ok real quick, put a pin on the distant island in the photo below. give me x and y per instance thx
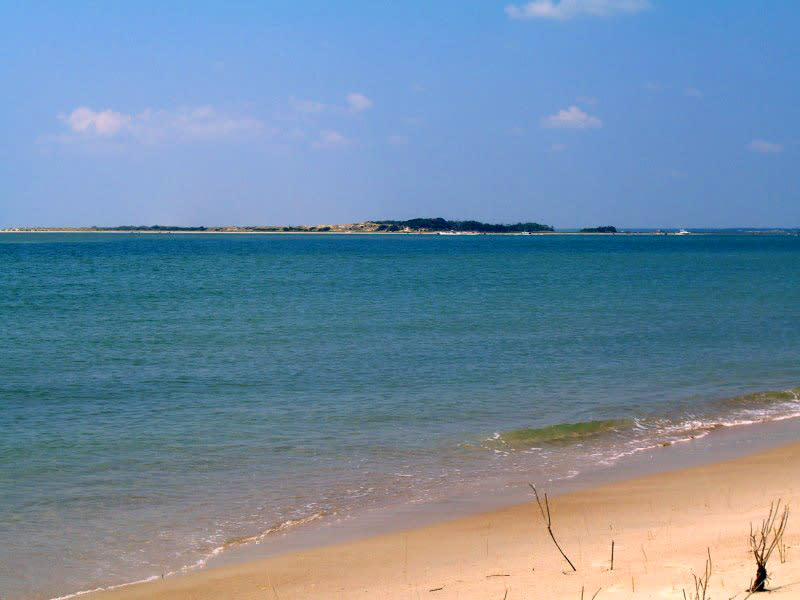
(603, 229)
(420, 225)
(433, 226)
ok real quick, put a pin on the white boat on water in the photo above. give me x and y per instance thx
(681, 232)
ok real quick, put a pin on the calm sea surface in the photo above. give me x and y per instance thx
(162, 396)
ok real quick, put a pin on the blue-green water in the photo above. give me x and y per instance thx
(163, 395)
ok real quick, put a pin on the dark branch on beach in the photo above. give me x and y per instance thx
(612, 555)
(545, 510)
(764, 541)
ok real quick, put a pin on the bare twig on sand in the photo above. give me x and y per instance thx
(612, 555)
(701, 583)
(765, 539)
(545, 510)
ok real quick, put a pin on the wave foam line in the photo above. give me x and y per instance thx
(203, 561)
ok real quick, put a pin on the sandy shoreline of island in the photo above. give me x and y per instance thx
(662, 527)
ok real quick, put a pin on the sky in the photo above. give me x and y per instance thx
(637, 113)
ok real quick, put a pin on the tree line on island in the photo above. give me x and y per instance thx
(603, 229)
(440, 224)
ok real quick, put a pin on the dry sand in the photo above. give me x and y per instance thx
(661, 526)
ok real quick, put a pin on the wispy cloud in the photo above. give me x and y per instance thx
(653, 86)
(569, 9)
(330, 139)
(765, 147)
(398, 140)
(693, 92)
(355, 102)
(358, 102)
(307, 106)
(154, 125)
(571, 118)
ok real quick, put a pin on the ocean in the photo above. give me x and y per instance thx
(164, 397)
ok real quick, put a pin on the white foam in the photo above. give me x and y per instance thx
(203, 561)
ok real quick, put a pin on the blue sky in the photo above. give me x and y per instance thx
(571, 113)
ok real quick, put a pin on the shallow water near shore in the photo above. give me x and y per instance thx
(167, 397)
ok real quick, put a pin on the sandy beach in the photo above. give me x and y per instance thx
(662, 527)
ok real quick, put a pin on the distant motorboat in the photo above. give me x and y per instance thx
(681, 232)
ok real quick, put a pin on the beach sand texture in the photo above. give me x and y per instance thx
(662, 527)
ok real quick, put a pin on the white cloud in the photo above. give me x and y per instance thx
(102, 123)
(693, 92)
(358, 102)
(571, 118)
(156, 125)
(331, 139)
(563, 10)
(765, 147)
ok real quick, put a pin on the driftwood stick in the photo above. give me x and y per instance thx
(549, 522)
(612, 555)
